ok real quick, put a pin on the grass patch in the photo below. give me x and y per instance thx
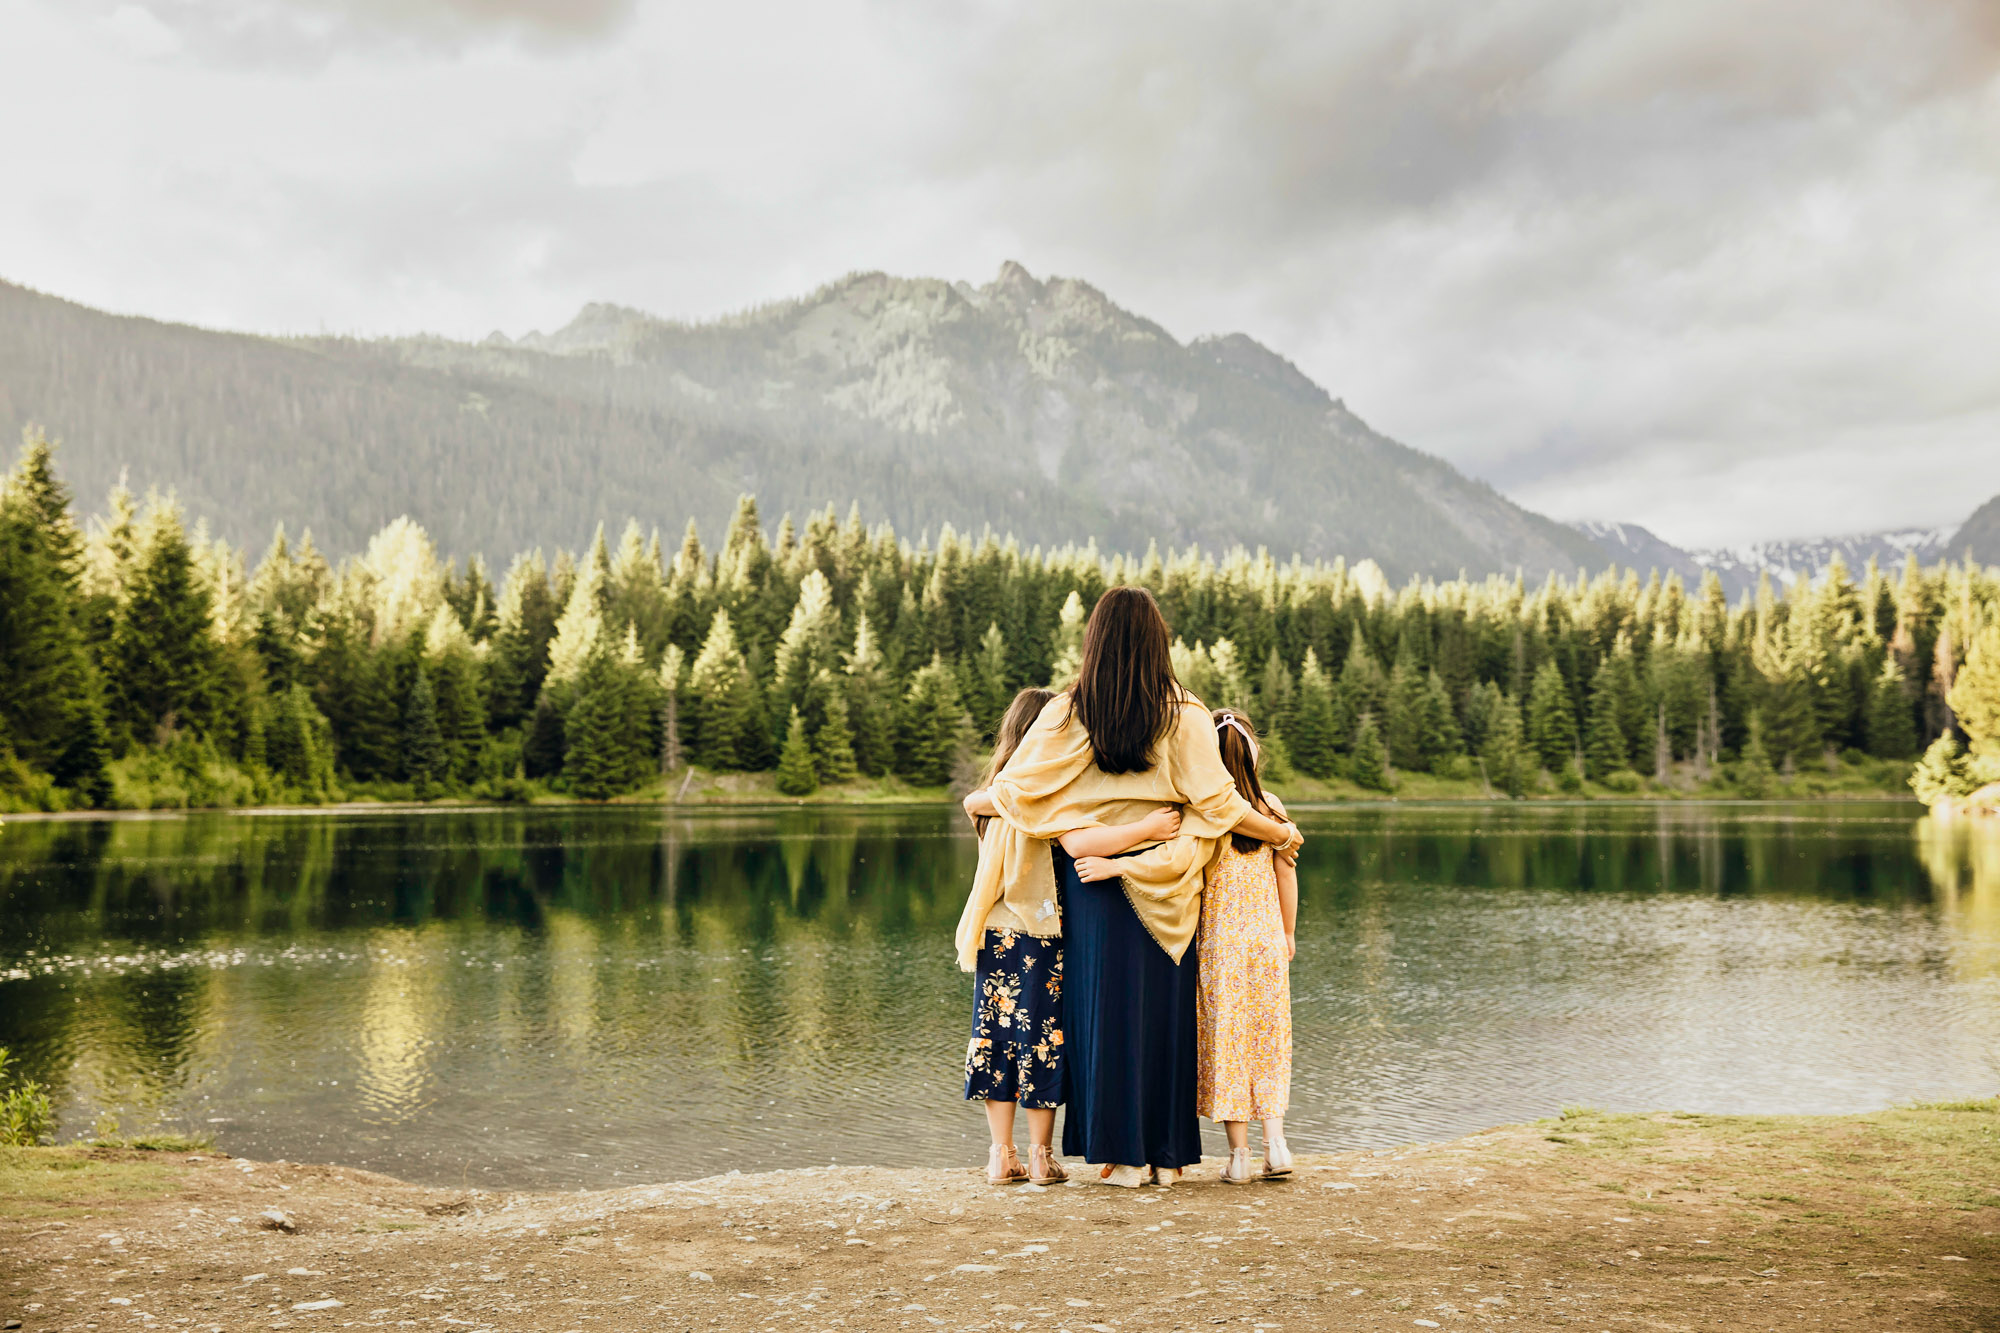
(154, 1142)
(45, 1182)
(1977, 1106)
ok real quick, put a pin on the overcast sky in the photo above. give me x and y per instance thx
(1728, 268)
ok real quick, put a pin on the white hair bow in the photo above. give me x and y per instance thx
(1229, 719)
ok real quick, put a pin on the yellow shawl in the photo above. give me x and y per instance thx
(1052, 785)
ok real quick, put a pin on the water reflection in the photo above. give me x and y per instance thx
(580, 996)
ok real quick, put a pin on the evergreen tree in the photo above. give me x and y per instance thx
(868, 709)
(1362, 689)
(1790, 726)
(1369, 764)
(1403, 726)
(1277, 700)
(1510, 765)
(543, 751)
(1312, 737)
(600, 759)
(1755, 771)
(425, 760)
(1892, 718)
(930, 727)
(723, 696)
(832, 736)
(51, 708)
(989, 694)
(1975, 692)
(1551, 722)
(461, 712)
(165, 658)
(1438, 737)
(1604, 744)
(796, 776)
(1068, 643)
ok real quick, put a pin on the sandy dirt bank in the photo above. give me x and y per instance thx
(1598, 1222)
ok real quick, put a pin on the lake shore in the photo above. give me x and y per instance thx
(1658, 1221)
(1872, 781)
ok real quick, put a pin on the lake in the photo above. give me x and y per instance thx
(564, 997)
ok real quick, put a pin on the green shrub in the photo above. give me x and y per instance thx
(26, 1116)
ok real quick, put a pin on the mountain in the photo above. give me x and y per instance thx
(1979, 536)
(1739, 567)
(1040, 408)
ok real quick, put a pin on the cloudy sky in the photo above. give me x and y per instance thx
(1729, 268)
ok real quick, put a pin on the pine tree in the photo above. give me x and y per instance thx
(1438, 737)
(796, 776)
(1312, 736)
(930, 727)
(1369, 764)
(989, 694)
(1790, 726)
(1510, 765)
(1892, 718)
(51, 705)
(1975, 692)
(832, 737)
(1551, 722)
(717, 686)
(166, 663)
(1755, 775)
(1604, 747)
(425, 761)
(1068, 643)
(868, 710)
(1277, 700)
(542, 753)
(599, 760)
(1362, 689)
(1403, 724)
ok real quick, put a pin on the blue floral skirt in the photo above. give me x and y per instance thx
(1016, 1052)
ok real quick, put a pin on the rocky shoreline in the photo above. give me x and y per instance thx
(1593, 1221)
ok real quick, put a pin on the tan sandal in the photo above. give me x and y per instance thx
(1003, 1166)
(1044, 1167)
(1277, 1160)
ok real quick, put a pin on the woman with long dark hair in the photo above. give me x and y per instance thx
(1125, 737)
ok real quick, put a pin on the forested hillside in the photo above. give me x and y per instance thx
(1038, 408)
(143, 664)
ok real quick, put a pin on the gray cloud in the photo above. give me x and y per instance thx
(1692, 263)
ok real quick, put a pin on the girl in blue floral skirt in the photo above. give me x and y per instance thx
(1015, 1055)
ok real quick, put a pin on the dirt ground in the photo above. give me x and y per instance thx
(1595, 1222)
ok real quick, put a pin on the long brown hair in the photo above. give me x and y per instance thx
(1239, 756)
(1126, 695)
(1014, 724)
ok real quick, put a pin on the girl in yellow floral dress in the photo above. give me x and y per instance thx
(1015, 1056)
(1243, 1007)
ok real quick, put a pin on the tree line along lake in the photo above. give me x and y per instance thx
(595, 995)
(146, 665)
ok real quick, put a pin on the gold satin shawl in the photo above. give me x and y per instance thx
(1052, 785)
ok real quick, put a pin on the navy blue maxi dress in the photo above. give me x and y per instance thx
(1129, 1032)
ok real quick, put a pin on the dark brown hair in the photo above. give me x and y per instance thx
(1240, 758)
(1126, 695)
(1014, 724)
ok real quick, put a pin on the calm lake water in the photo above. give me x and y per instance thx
(589, 997)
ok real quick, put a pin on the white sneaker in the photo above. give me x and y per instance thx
(1236, 1171)
(1124, 1177)
(1277, 1160)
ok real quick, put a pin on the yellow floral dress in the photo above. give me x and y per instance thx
(1243, 1009)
